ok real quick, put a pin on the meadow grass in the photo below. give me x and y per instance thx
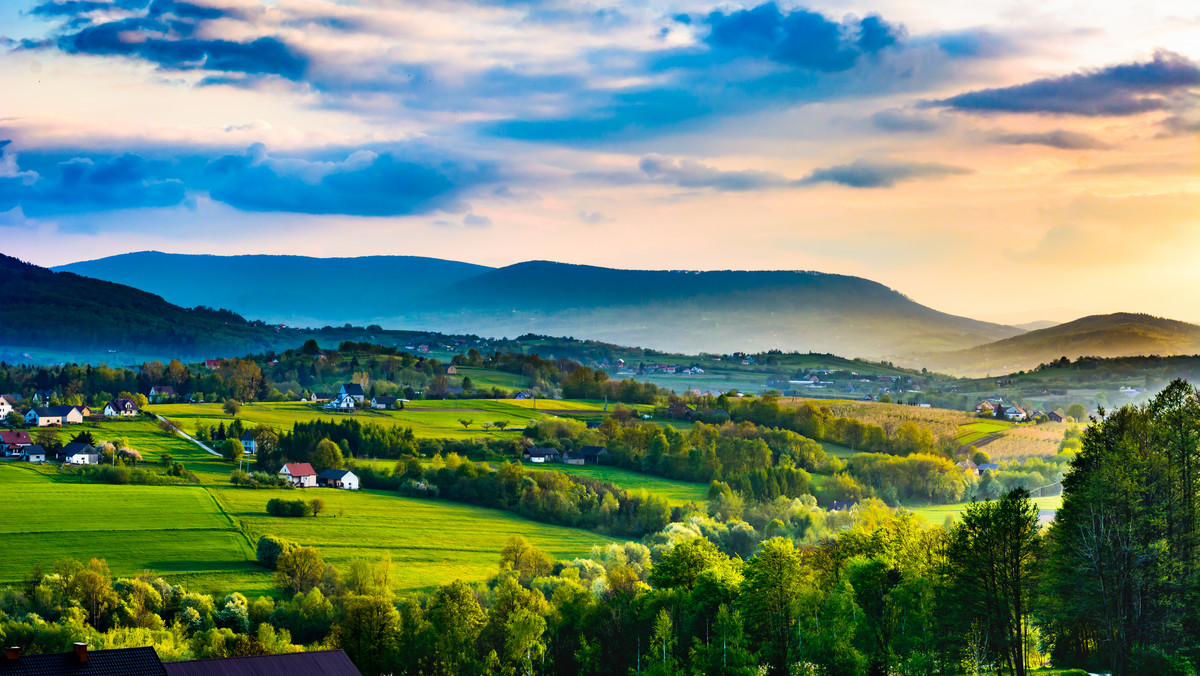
(937, 513)
(430, 541)
(676, 492)
(972, 432)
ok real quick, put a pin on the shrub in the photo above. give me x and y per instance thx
(277, 507)
(271, 547)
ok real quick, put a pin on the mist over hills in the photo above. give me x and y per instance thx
(1122, 334)
(682, 311)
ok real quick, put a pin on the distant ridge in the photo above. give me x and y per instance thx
(718, 311)
(1122, 334)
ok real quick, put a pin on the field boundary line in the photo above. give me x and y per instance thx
(235, 523)
(187, 436)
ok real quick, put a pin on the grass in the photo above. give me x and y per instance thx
(1025, 441)
(430, 541)
(676, 492)
(836, 451)
(937, 513)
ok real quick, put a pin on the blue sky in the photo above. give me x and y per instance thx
(943, 149)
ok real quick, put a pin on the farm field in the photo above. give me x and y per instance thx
(969, 433)
(937, 513)
(676, 492)
(429, 419)
(430, 541)
(179, 532)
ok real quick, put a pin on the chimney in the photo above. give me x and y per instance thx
(81, 652)
(12, 654)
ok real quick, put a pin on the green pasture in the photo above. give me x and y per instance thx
(836, 451)
(482, 377)
(676, 492)
(937, 513)
(972, 432)
(179, 532)
(430, 541)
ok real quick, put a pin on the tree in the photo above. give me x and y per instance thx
(991, 560)
(465, 422)
(318, 506)
(1077, 412)
(523, 638)
(527, 561)
(270, 548)
(327, 455)
(299, 570)
(501, 424)
(368, 632)
(455, 620)
(14, 419)
(84, 437)
(232, 450)
(232, 407)
(769, 601)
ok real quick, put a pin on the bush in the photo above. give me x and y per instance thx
(271, 547)
(277, 507)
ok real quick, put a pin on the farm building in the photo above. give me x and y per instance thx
(299, 474)
(124, 408)
(12, 441)
(540, 455)
(33, 453)
(968, 467)
(588, 455)
(338, 478)
(680, 411)
(54, 415)
(353, 390)
(311, 663)
(78, 453)
(115, 662)
(161, 393)
(387, 403)
(1055, 416)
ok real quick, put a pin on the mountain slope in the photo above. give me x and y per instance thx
(1121, 334)
(66, 312)
(293, 290)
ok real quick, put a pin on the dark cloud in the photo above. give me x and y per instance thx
(1126, 89)
(897, 120)
(799, 37)
(404, 180)
(163, 34)
(1178, 125)
(864, 174)
(973, 43)
(1060, 138)
(477, 221)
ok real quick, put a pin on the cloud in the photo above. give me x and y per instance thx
(1060, 138)
(865, 174)
(1178, 125)
(800, 38)
(477, 221)
(164, 34)
(593, 217)
(693, 174)
(387, 182)
(975, 43)
(1125, 89)
(898, 120)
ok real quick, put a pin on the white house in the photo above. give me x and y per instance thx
(343, 402)
(43, 397)
(384, 402)
(54, 415)
(541, 455)
(299, 474)
(1015, 413)
(249, 443)
(120, 407)
(353, 390)
(78, 453)
(33, 454)
(338, 478)
(5, 407)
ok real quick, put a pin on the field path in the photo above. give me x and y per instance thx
(190, 438)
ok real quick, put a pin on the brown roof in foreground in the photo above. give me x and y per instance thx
(314, 663)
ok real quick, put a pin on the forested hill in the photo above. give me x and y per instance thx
(1122, 334)
(66, 312)
(680, 311)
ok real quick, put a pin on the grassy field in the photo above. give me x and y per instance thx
(676, 492)
(429, 419)
(430, 541)
(937, 513)
(972, 432)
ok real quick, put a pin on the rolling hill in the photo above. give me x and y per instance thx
(682, 311)
(1121, 334)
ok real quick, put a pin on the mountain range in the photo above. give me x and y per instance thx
(678, 311)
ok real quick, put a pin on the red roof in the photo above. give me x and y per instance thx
(299, 469)
(15, 437)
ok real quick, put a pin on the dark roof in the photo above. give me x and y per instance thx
(164, 389)
(314, 663)
(77, 447)
(541, 451)
(592, 451)
(989, 467)
(334, 473)
(34, 449)
(248, 435)
(353, 389)
(120, 404)
(116, 662)
(53, 411)
(385, 400)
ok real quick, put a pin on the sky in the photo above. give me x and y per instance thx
(1013, 161)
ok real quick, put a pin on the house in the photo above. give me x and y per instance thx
(451, 370)
(12, 441)
(338, 478)
(141, 661)
(249, 443)
(212, 363)
(985, 408)
(968, 466)
(1015, 414)
(343, 402)
(988, 467)
(1037, 413)
(353, 390)
(524, 395)
(680, 411)
(386, 403)
(299, 474)
(323, 396)
(6, 407)
(43, 397)
(541, 455)
(79, 453)
(455, 390)
(33, 453)
(161, 393)
(54, 415)
(842, 505)
(1055, 416)
(588, 455)
(123, 408)
(310, 663)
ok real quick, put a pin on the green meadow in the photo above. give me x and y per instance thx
(972, 432)
(937, 513)
(676, 492)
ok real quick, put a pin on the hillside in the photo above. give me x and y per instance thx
(64, 311)
(1121, 334)
(292, 290)
(680, 311)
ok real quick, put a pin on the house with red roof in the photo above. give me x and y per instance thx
(12, 441)
(299, 474)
